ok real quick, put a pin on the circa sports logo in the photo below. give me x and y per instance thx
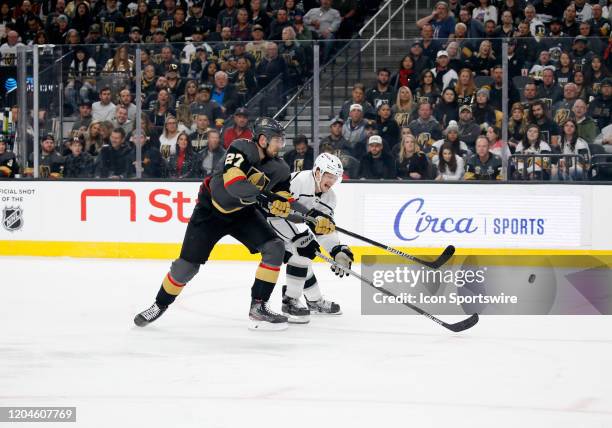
(429, 223)
(12, 218)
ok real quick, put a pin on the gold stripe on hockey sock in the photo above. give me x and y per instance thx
(172, 287)
(267, 273)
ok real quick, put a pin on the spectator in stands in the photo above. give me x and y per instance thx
(152, 164)
(474, 28)
(209, 158)
(51, 163)
(301, 157)
(240, 128)
(204, 105)
(81, 77)
(465, 87)
(377, 164)
(411, 164)
(572, 144)
(484, 12)
(224, 94)
(121, 119)
(85, 116)
(271, 66)
(278, 25)
(8, 161)
(596, 73)
(258, 15)
(403, 108)
(336, 140)
(241, 30)
(94, 139)
(386, 127)
(484, 165)
(548, 128)
(570, 94)
(483, 113)
(176, 85)
(549, 88)
(104, 109)
(324, 21)
(443, 24)
(444, 75)
(530, 92)
(183, 163)
(383, 92)
(581, 54)
(426, 123)
(517, 126)
(190, 95)
(167, 140)
(114, 160)
(469, 130)
(420, 61)
(79, 163)
(451, 167)
(293, 55)
(162, 108)
(199, 136)
(431, 46)
(533, 167)
(587, 127)
(447, 108)
(600, 25)
(451, 137)
(483, 62)
(358, 97)
(600, 109)
(227, 17)
(497, 146)
(125, 100)
(405, 76)
(428, 90)
(353, 129)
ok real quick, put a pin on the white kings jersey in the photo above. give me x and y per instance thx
(303, 190)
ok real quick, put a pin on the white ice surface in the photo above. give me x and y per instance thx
(67, 339)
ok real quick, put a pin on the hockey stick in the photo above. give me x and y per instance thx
(456, 327)
(436, 264)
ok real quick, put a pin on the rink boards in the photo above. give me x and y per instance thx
(147, 219)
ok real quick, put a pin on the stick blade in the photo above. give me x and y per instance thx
(444, 257)
(463, 325)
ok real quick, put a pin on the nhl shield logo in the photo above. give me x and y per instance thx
(12, 218)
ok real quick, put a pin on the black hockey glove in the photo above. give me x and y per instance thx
(306, 245)
(344, 257)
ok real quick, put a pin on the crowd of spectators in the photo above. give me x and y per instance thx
(446, 94)
(428, 119)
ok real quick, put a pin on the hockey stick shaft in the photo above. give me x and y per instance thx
(457, 327)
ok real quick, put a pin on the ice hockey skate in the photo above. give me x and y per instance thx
(263, 318)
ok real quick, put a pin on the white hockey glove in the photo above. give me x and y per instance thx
(344, 257)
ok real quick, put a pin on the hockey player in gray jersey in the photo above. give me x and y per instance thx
(312, 189)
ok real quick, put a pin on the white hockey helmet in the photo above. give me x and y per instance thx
(329, 163)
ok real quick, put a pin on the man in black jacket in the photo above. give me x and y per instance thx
(114, 160)
(377, 164)
(301, 157)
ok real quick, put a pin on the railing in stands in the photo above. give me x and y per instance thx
(547, 166)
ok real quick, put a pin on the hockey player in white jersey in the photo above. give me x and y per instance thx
(313, 190)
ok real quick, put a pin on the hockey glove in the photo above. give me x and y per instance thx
(281, 207)
(344, 257)
(306, 245)
(323, 224)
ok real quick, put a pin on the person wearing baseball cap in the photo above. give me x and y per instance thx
(600, 109)
(443, 74)
(377, 165)
(354, 128)
(240, 128)
(469, 130)
(335, 138)
(51, 163)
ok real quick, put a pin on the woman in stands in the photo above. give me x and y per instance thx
(411, 164)
(517, 126)
(580, 82)
(571, 144)
(404, 106)
(484, 60)
(533, 167)
(484, 12)
(447, 108)
(428, 90)
(497, 146)
(93, 138)
(141, 18)
(244, 80)
(208, 75)
(120, 62)
(465, 87)
(189, 96)
(82, 19)
(387, 127)
(595, 74)
(154, 25)
(454, 56)
(168, 138)
(405, 76)
(182, 164)
(450, 166)
(565, 69)
(162, 109)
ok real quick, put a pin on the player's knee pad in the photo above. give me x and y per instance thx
(300, 261)
(183, 271)
(273, 252)
(311, 281)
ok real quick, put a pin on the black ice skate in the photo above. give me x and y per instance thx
(149, 315)
(323, 307)
(295, 311)
(262, 318)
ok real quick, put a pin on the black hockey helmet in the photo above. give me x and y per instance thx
(268, 127)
